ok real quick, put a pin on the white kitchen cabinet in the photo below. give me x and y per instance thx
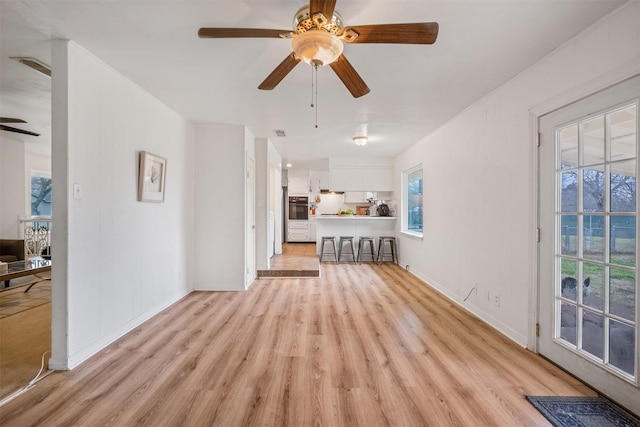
(377, 179)
(312, 229)
(358, 196)
(320, 180)
(298, 182)
(362, 179)
(344, 179)
(354, 196)
(298, 231)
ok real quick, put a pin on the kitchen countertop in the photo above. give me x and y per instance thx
(354, 217)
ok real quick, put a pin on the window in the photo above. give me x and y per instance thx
(412, 201)
(40, 194)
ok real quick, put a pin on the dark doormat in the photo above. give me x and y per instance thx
(564, 411)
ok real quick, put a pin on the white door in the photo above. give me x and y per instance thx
(588, 253)
(250, 222)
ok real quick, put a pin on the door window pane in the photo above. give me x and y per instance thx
(622, 245)
(592, 333)
(593, 130)
(568, 142)
(568, 323)
(622, 293)
(622, 345)
(623, 186)
(593, 189)
(593, 285)
(569, 235)
(569, 191)
(593, 237)
(623, 133)
(569, 282)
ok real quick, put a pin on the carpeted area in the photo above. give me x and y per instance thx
(570, 411)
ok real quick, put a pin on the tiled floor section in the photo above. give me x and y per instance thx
(297, 260)
(14, 299)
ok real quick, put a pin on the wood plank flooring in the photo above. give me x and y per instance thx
(25, 333)
(364, 345)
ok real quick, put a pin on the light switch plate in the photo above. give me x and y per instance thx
(77, 191)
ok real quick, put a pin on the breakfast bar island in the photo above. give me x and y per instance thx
(353, 225)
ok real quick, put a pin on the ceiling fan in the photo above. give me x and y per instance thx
(318, 36)
(12, 129)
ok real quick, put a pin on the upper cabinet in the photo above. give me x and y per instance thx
(319, 180)
(361, 174)
(298, 182)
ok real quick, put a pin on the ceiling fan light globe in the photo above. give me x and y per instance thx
(317, 47)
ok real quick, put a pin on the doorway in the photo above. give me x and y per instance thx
(588, 208)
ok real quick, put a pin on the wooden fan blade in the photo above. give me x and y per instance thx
(225, 33)
(280, 72)
(16, 130)
(417, 33)
(326, 7)
(10, 120)
(350, 77)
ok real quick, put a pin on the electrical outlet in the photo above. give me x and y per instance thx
(496, 300)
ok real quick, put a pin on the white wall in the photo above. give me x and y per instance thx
(478, 174)
(262, 203)
(12, 187)
(276, 195)
(117, 261)
(219, 207)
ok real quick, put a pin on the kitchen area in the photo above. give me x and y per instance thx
(351, 197)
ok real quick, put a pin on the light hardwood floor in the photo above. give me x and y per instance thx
(364, 345)
(25, 333)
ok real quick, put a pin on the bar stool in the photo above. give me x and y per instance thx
(332, 240)
(343, 240)
(392, 246)
(362, 244)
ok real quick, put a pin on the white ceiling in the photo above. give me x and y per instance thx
(414, 88)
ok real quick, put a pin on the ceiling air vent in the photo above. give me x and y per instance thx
(279, 132)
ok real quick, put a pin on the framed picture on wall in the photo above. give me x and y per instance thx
(151, 177)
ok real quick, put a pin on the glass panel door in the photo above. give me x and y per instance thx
(588, 254)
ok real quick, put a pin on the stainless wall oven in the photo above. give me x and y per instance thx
(298, 207)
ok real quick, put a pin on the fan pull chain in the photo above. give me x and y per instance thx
(316, 73)
(312, 69)
(314, 95)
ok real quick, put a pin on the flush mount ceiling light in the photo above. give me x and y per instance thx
(360, 140)
(34, 64)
